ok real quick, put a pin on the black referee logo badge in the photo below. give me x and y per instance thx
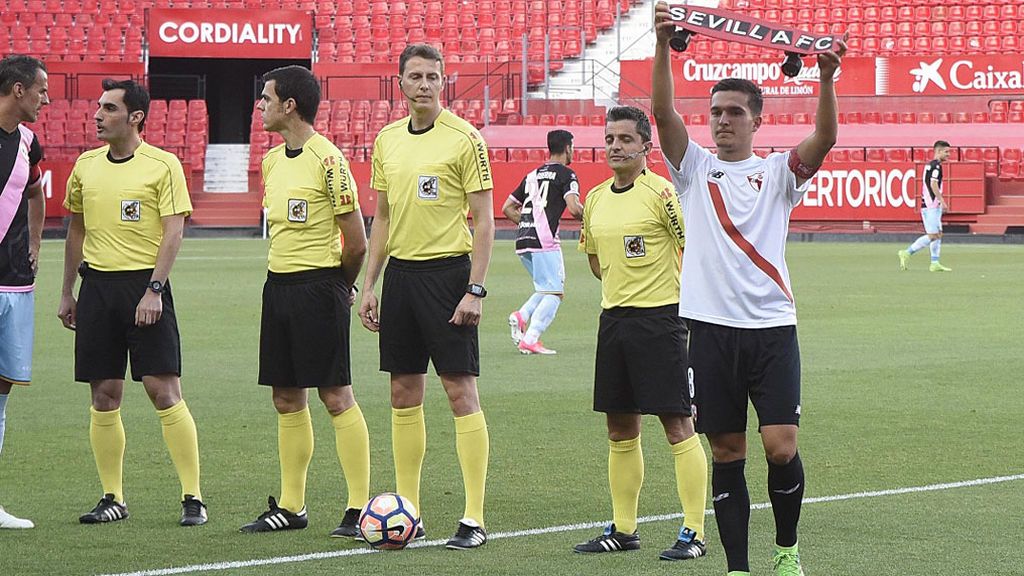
(635, 247)
(296, 210)
(428, 189)
(131, 210)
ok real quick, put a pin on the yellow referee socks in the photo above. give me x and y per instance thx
(182, 442)
(106, 434)
(692, 482)
(409, 444)
(625, 477)
(295, 450)
(473, 446)
(353, 443)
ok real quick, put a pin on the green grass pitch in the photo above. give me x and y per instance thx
(910, 379)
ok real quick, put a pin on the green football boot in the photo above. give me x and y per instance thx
(786, 562)
(904, 259)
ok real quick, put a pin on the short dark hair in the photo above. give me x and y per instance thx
(940, 144)
(643, 123)
(755, 100)
(136, 97)
(425, 51)
(299, 84)
(18, 68)
(559, 141)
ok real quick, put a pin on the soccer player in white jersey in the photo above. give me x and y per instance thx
(932, 206)
(736, 294)
(536, 207)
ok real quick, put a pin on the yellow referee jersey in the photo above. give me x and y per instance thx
(122, 202)
(427, 176)
(304, 190)
(637, 235)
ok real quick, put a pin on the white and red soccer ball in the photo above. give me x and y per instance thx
(388, 521)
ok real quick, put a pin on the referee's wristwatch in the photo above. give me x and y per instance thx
(477, 290)
(156, 286)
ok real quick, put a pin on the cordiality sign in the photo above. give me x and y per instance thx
(227, 33)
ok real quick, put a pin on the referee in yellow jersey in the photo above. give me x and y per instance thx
(128, 202)
(428, 170)
(633, 236)
(311, 204)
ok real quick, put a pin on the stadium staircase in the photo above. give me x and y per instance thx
(226, 200)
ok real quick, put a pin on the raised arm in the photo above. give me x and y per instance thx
(672, 135)
(813, 149)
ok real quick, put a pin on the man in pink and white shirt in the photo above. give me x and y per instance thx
(23, 90)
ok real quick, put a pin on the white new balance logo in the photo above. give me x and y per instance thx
(788, 492)
(926, 74)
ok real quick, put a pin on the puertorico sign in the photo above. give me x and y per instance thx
(861, 191)
(227, 33)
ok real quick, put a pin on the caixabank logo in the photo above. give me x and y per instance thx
(950, 75)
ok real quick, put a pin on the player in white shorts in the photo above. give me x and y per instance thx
(932, 206)
(536, 206)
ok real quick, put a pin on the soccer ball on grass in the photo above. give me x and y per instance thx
(388, 521)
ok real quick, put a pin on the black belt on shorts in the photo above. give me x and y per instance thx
(426, 265)
(85, 271)
(634, 312)
(303, 276)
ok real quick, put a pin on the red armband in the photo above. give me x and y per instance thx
(797, 166)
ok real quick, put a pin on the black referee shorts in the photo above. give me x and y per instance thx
(641, 362)
(304, 330)
(417, 300)
(106, 334)
(728, 365)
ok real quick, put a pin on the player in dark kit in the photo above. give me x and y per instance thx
(536, 206)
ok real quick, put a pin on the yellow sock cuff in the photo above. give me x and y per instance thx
(295, 419)
(349, 417)
(407, 416)
(691, 443)
(470, 423)
(173, 414)
(108, 418)
(624, 445)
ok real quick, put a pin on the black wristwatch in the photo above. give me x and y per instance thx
(156, 286)
(477, 290)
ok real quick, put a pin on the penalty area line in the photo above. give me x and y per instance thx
(217, 566)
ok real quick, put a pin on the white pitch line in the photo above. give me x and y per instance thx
(216, 566)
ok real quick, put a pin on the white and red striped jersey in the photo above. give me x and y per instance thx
(737, 217)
